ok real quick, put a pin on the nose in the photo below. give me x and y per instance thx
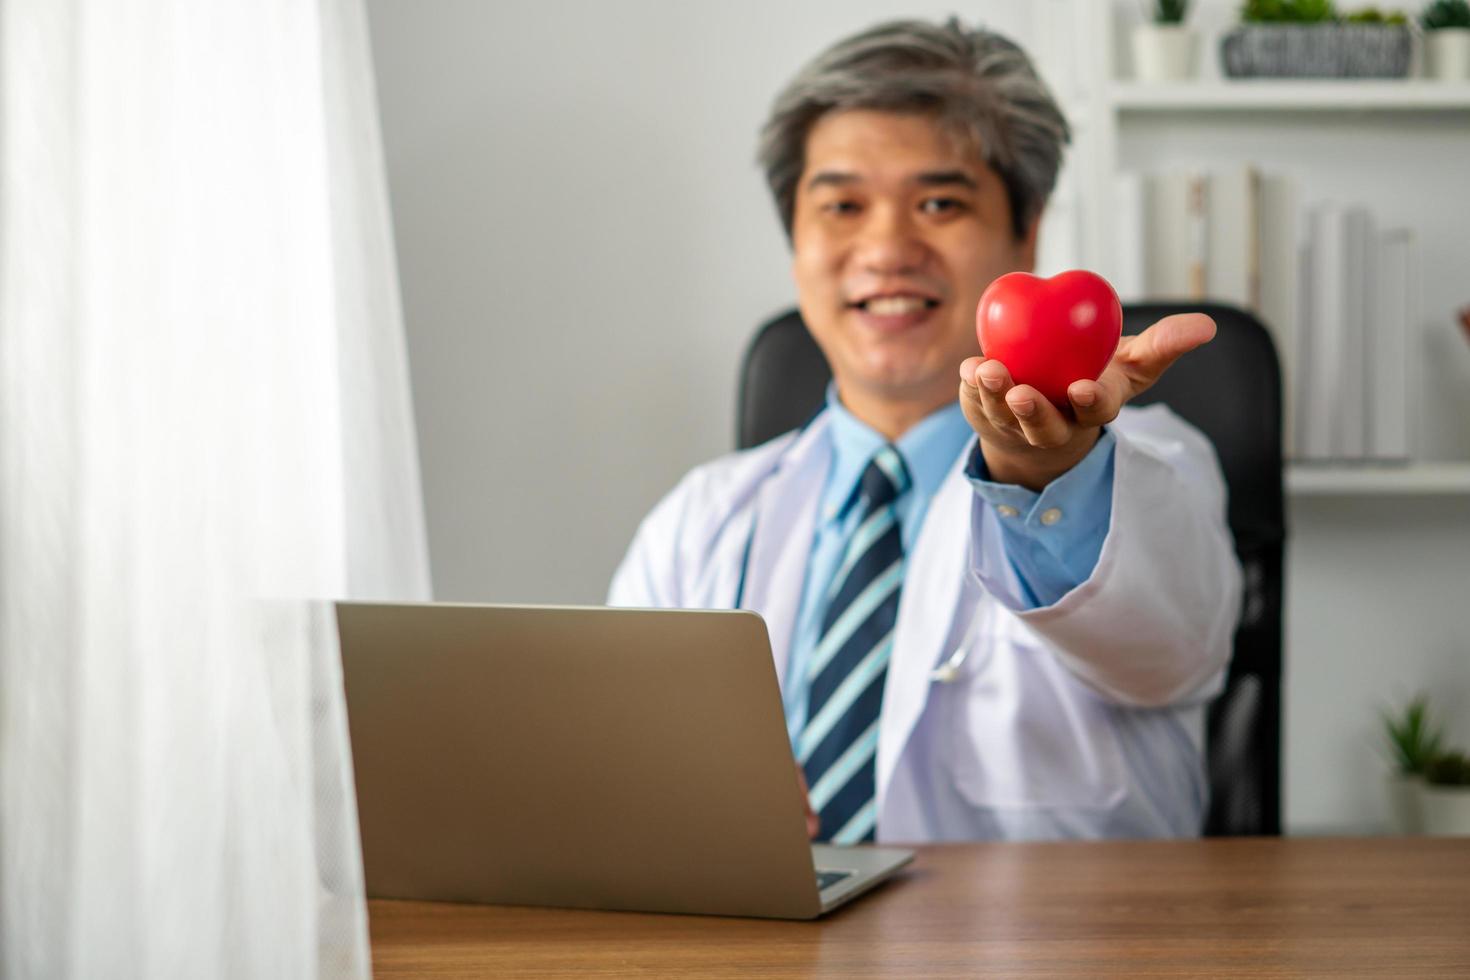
(889, 243)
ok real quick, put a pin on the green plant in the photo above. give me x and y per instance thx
(1168, 11)
(1287, 11)
(1445, 13)
(1372, 15)
(1413, 739)
(1448, 769)
(1318, 12)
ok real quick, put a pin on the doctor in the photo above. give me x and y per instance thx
(990, 618)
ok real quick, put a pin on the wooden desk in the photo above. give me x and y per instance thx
(1378, 907)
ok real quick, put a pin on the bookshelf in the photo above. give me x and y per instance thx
(1396, 146)
(1418, 479)
(1279, 96)
(1376, 555)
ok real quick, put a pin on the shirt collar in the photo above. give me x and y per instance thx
(928, 449)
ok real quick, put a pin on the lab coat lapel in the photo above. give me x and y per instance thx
(927, 610)
(782, 537)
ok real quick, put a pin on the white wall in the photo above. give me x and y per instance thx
(1377, 608)
(585, 245)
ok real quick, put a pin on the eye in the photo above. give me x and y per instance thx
(841, 207)
(941, 205)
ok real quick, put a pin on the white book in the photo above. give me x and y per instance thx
(1388, 348)
(1279, 229)
(1166, 224)
(1131, 264)
(1303, 348)
(1231, 270)
(1350, 434)
(1197, 215)
(1324, 348)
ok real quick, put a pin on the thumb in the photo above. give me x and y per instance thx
(1147, 356)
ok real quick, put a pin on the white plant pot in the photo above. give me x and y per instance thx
(1447, 53)
(1163, 52)
(1446, 810)
(1405, 803)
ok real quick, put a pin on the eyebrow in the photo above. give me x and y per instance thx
(927, 178)
(939, 178)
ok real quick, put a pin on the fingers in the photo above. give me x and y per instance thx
(1147, 356)
(1096, 403)
(992, 382)
(1044, 425)
(1181, 333)
(1017, 410)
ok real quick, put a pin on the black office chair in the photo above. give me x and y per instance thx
(1231, 390)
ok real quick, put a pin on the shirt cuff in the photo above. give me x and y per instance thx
(1053, 538)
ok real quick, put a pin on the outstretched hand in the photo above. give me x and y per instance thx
(1029, 441)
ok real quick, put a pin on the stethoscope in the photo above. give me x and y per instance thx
(946, 673)
(949, 671)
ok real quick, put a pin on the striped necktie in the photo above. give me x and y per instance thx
(838, 747)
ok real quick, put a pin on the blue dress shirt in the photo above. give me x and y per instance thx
(1051, 557)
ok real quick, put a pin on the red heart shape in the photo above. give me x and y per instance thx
(1050, 332)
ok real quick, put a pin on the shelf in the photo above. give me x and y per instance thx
(1288, 95)
(1309, 480)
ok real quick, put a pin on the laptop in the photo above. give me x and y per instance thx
(595, 758)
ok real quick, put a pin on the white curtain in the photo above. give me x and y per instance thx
(204, 423)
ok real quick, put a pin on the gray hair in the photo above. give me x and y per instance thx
(979, 86)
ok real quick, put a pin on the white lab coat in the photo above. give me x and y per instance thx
(1083, 718)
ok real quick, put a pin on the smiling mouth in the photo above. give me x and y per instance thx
(895, 305)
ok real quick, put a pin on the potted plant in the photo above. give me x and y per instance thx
(1307, 39)
(1413, 743)
(1163, 47)
(1447, 795)
(1446, 26)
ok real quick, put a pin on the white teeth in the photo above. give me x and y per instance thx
(895, 305)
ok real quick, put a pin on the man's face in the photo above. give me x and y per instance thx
(895, 233)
